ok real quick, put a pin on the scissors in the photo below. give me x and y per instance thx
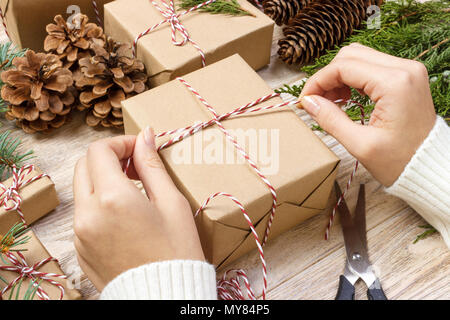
(357, 264)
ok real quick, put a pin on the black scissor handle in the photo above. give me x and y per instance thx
(375, 292)
(346, 290)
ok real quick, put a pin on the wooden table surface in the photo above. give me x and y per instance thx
(301, 265)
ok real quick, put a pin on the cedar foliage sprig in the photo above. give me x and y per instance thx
(229, 7)
(10, 154)
(7, 54)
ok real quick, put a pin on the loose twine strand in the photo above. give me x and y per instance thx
(11, 200)
(229, 287)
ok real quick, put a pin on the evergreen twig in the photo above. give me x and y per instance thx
(229, 7)
(410, 30)
(10, 155)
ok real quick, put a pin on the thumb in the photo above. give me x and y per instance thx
(334, 121)
(150, 168)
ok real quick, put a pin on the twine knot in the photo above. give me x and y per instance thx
(169, 13)
(10, 198)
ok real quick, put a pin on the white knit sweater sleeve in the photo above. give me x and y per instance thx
(168, 280)
(425, 182)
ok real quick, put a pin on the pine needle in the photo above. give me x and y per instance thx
(429, 230)
(229, 7)
(10, 154)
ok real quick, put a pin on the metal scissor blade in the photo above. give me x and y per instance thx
(355, 238)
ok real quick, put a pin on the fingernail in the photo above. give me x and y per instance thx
(149, 137)
(310, 105)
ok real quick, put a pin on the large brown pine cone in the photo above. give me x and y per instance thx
(319, 27)
(39, 92)
(282, 10)
(71, 41)
(108, 77)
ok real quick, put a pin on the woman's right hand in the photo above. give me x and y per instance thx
(404, 113)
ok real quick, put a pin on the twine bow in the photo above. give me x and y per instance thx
(10, 198)
(171, 17)
(19, 265)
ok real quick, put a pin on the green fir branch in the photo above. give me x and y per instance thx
(429, 230)
(7, 54)
(228, 7)
(411, 30)
(10, 154)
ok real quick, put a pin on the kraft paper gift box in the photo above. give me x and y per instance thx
(218, 35)
(302, 172)
(26, 20)
(38, 199)
(35, 252)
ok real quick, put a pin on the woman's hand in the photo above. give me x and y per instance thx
(116, 226)
(404, 113)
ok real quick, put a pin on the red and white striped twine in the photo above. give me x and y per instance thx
(352, 175)
(10, 198)
(4, 23)
(173, 19)
(97, 13)
(20, 266)
(229, 288)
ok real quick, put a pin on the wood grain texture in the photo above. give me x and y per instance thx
(301, 265)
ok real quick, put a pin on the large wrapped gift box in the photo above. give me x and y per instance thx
(26, 19)
(219, 36)
(298, 164)
(38, 198)
(34, 252)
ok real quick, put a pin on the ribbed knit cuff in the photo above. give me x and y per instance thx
(425, 182)
(168, 280)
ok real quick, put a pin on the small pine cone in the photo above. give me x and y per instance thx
(72, 41)
(281, 11)
(319, 27)
(39, 92)
(110, 76)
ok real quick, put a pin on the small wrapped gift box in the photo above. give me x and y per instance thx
(34, 263)
(297, 163)
(27, 191)
(217, 36)
(26, 20)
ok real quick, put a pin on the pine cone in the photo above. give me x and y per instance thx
(71, 41)
(319, 27)
(39, 92)
(282, 10)
(109, 77)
